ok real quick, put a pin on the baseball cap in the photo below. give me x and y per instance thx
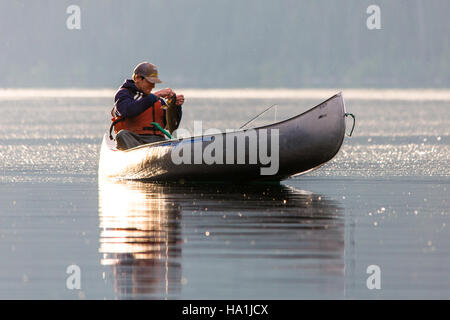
(148, 71)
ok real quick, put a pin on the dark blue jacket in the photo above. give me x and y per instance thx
(130, 101)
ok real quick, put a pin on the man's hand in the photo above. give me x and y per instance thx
(164, 93)
(180, 99)
(167, 93)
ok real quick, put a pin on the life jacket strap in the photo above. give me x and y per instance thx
(112, 126)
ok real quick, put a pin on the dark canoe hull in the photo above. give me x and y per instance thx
(305, 142)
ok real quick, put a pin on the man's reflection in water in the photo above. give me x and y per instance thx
(144, 227)
(140, 239)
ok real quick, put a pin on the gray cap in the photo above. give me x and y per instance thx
(148, 71)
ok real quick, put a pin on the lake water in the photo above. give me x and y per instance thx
(383, 200)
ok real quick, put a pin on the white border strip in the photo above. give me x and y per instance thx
(271, 94)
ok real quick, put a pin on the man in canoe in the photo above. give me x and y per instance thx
(141, 117)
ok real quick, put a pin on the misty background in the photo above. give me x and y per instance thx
(227, 44)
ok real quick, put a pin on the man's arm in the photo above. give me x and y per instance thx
(126, 106)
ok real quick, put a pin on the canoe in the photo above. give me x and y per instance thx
(268, 153)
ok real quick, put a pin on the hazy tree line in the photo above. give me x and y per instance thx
(228, 43)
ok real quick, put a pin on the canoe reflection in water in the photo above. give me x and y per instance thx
(287, 239)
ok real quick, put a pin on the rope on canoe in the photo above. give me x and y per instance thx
(156, 125)
(354, 122)
(153, 123)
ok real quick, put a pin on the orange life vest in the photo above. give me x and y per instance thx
(141, 124)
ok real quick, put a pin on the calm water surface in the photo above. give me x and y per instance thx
(382, 201)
